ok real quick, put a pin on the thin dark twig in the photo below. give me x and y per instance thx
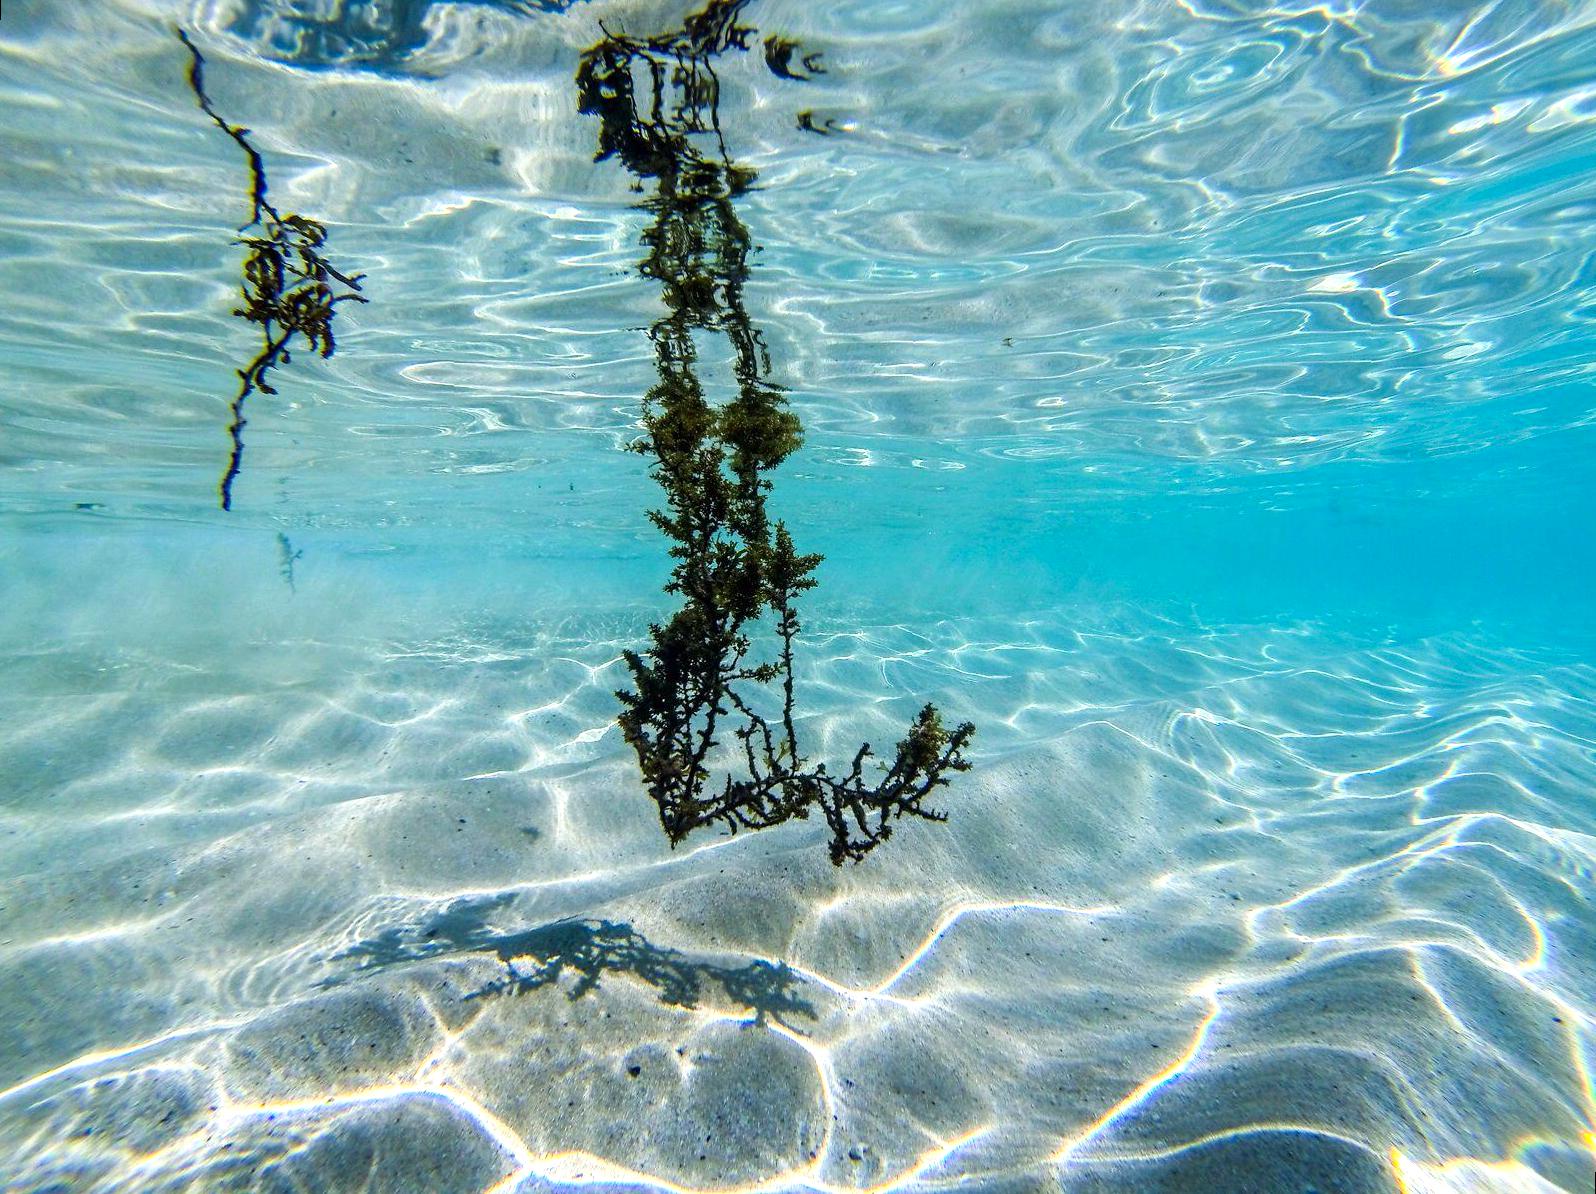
(257, 167)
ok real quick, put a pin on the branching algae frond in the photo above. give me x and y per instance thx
(658, 101)
(288, 285)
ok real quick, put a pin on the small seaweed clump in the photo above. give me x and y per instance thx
(288, 285)
(733, 567)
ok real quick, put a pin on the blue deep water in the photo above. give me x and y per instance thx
(1197, 396)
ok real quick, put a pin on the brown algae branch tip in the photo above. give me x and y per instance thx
(289, 288)
(701, 715)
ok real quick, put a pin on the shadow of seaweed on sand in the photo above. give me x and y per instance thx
(584, 949)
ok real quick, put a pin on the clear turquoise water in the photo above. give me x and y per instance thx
(1198, 397)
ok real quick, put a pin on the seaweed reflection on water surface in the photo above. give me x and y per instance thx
(288, 284)
(658, 102)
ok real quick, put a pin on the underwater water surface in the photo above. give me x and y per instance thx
(1196, 399)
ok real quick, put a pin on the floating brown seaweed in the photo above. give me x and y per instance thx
(288, 285)
(657, 99)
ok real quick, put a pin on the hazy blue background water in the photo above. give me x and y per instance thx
(1199, 396)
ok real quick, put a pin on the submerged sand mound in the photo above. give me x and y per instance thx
(1247, 907)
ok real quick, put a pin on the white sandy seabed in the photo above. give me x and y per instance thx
(1243, 909)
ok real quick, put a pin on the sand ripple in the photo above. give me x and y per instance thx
(1213, 902)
